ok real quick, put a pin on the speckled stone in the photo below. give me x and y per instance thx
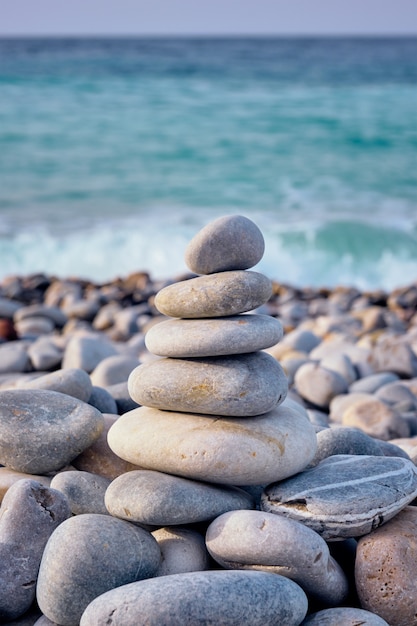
(159, 499)
(216, 295)
(345, 495)
(42, 431)
(211, 598)
(73, 382)
(84, 491)
(238, 385)
(183, 550)
(29, 514)
(234, 451)
(376, 419)
(344, 616)
(213, 337)
(86, 556)
(232, 242)
(386, 569)
(263, 541)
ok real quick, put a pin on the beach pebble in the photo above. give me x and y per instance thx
(345, 495)
(182, 549)
(301, 340)
(237, 385)
(113, 370)
(8, 477)
(8, 307)
(52, 313)
(341, 364)
(159, 499)
(376, 419)
(393, 354)
(386, 569)
(45, 354)
(214, 597)
(86, 351)
(340, 404)
(319, 385)
(84, 491)
(86, 556)
(232, 242)
(14, 357)
(102, 400)
(213, 337)
(41, 431)
(344, 616)
(338, 440)
(99, 459)
(397, 396)
(72, 382)
(216, 295)
(370, 384)
(238, 451)
(29, 514)
(120, 393)
(262, 541)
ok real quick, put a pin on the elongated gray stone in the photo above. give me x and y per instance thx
(232, 242)
(216, 295)
(345, 495)
(347, 616)
(86, 556)
(159, 499)
(29, 514)
(213, 337)
(41, 431)
(73, 382)
(332, 441)
(234, 451)
(238, 385)
(230, 598)
(272, 543)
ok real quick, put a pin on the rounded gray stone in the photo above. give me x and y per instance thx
(85, 491)
(347, 616)
(41, 431)
(238, 385)
(183, 550)
(266, 542)
(86, 351)
(319, 385)
(29, 514)
(230, 598)
(216, 295)
(213, 337)
(86, 556)
(160, 499)
(332, 441)
(370, 384)
(345, 495)
(113, 370)
(232, 242)
(102, 400)
(73, 382)
(234, 451)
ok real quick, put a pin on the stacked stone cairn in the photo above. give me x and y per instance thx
(222, 499)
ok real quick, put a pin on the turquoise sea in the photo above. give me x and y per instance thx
(114, 152)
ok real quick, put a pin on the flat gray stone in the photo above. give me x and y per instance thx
(113, 370)
(338, 440)
(347, 616)
(86, 556)
(230, 598)
(216, 295)
(232, 242)
(213, 337)
(238, 385)
(73, 382)
(234, 451)
(370, 384)
(183, 550)
(319, 385)
(273, 543)
(86, 351)
(41, 431)
(84, 491)
(159, 499)
(52, 313)
(14, 357)
(29, 514)
(345, 495)
(45, 354)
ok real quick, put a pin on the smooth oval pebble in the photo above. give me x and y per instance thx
(232, 242)
(239, 385)
(318, 384)
(263, 541)
(345, 495)
(41, 431)
(229, 598)
(73, 382)
(344, 616)
(213, 337)
(84, 491)
(234, 451)
(159, 499)
(216, 295)
(183, 550)
(86, 556)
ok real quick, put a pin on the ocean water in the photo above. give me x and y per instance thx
(115, 152)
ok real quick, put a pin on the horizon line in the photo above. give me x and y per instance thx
(208, 35)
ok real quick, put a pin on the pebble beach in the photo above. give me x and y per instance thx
(213, 448)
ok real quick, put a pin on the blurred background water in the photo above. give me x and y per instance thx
(114, 152)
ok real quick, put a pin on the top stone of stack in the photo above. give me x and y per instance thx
(232, 242)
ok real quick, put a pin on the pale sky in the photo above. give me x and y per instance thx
(199, 17)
